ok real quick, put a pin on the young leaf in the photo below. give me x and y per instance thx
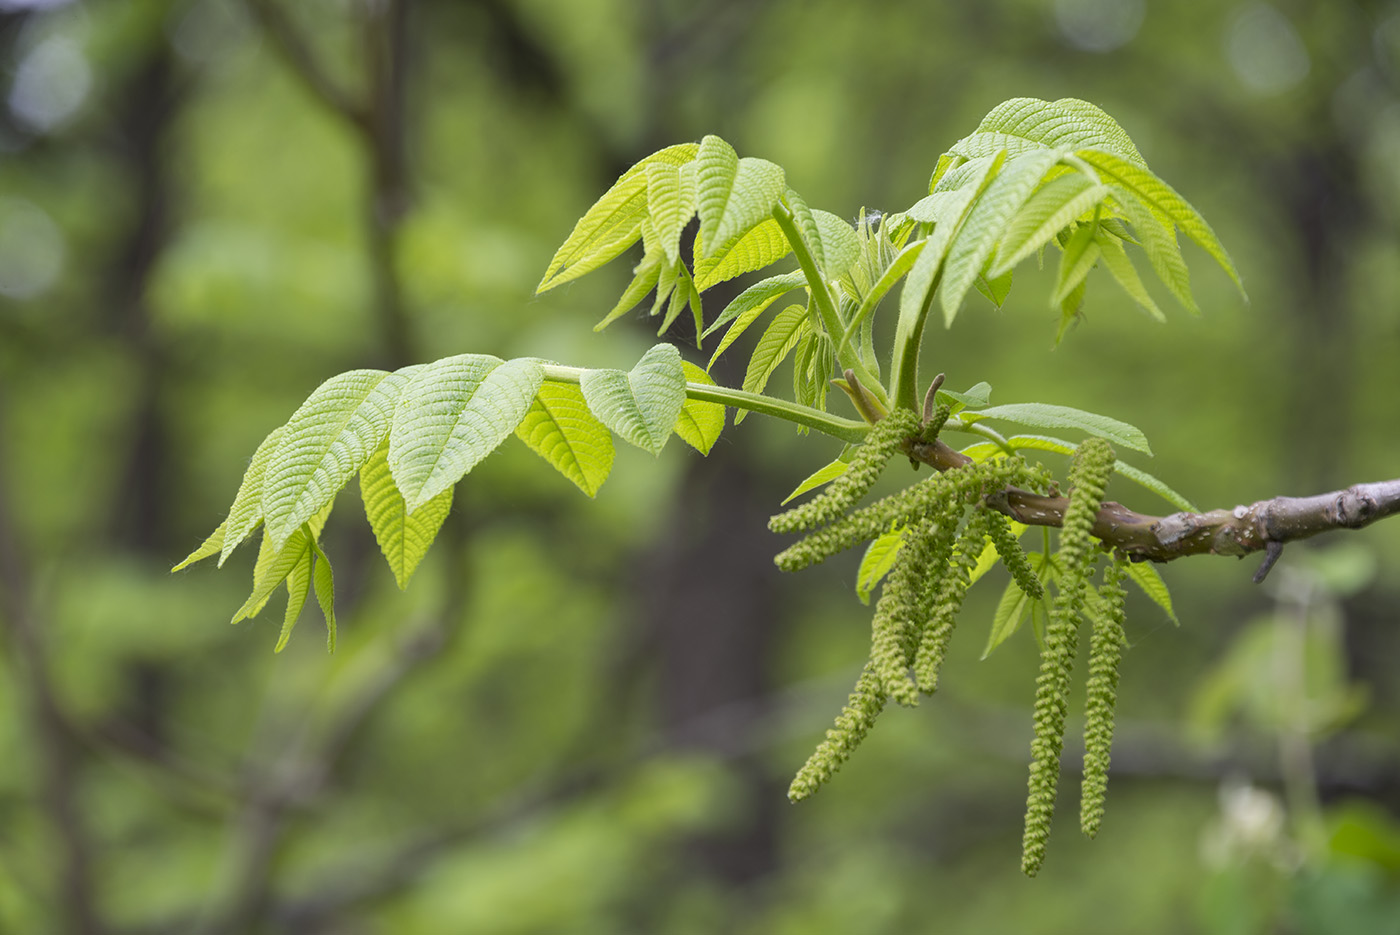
(1158, 241)
(643, 404)
(403, 537)
(1081, 253)
(975, 397)
(1115, 258)
(247, 510)
(822, 475)
(805, 221)
(298, 587)
(670, 203)
(274, 565)
(892, 274)
(323, 445)
(559, 428)
(613, 223)
(1056, 205)
(210, 546)
(761, 246)
(1025, 124)
(751, 303)
(644, 279)
(1163, 200)
(452, 414)
(1043, 415)
(323, 579)
(996, 290)
(840, 243)
(700, 422)
(879, 558)
(986, 224)
(1014, 605)
(1147, 577)
(777, 342)
(734, 195)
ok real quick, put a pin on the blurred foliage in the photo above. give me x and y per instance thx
(564, 725)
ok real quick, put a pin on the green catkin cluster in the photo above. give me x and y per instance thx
(935, 423)
(933, 647)
(899, 614)
(1093, 465)
(864, 470)
(1105, 651)
(865, 704)
(1013, 556)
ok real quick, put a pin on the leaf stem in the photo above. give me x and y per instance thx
(908, 335)
(847, 355)
(848, 430)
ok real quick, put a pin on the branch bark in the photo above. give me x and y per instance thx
(1264, 525)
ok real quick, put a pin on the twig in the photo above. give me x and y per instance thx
(302, 61)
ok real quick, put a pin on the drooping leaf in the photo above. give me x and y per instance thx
(1026, 124)
(298, 587)
(670, 203)
(246, 511)
(1044, 415)
(560, 428)
(1163, 200)
(453, 413)
(644, 279)
(840, 243)
(641, 405)
(323, 580)
(1147, 577)
(734, 195)
(681, 297)
(614, 222)
(760, 246)
(996, 290)
(1158, 240)
(778, 340)
(879, 558)
(324, 443)
(403, 538)
(1079, 257)
(750, 304)
(986, 223)
(822, 475)
(700, 423)
(1116, 260)
(1057, 204)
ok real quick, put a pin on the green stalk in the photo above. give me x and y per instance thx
(847, 355)
(908, 334)
(848, 430)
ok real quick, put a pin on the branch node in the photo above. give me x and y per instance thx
(1272, 551)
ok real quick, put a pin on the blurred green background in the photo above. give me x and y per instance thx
(582, 716)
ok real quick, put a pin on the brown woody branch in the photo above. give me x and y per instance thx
(1263, 525)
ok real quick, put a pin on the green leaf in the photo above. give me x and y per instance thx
(986, 223)
(806, 223)
(996, 290)
(1056, 205)
(246, 511)
(323, 578)
(761, 246)
(644, 279)
(879, 558)
(700, 422)
(613, 223)
(670, 203)
(1079, 257)
(840, 245)
(1163, 200)
(1115, 258)
(892, 274)
(1147, 577)
(210, 546)
(324, 443)
(298, 587)
(822, 475)
(734, 195)
(452, 414)
(1013, 606)
(403, 538)
(680, 298)
(1025, 124)
(778, 340)
(750, 304)
(643, 404)
(1158, 240)
(273, 565)
(1043, 415)
(559, 428)
(976, 397)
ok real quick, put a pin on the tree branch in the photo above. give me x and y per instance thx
(1262, 525)
(302, 61)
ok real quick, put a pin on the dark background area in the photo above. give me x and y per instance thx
(582, 716)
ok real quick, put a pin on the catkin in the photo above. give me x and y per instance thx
(1013, 556)
(865, 467)
(1089, 473)
(1105, 652)
(854, 722)
(938, 631)
(896, 615)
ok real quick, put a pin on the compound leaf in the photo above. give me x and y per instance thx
(453, 413)
(778, 340)
(734, 195)
(1050, 210)
(641, 405)
(750, 304)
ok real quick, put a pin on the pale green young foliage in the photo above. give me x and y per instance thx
(559, 428)
(403, 537)
(642, 404)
